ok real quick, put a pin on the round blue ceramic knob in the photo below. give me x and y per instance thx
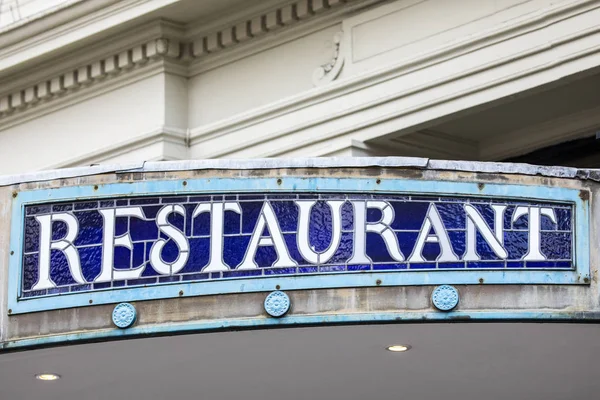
(445, 297)
(124, 315)
(277, 304)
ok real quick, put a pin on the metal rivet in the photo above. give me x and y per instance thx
(445, 297)
(181, 292)
(95, 187)
(586, 279)
(481, 280)
(480, 186)
(12, 252)
(124, 315)
(378, 282)
(184, 183)
(378, 181)
(14, 194)
(91, 301)
(279, 181)
(277, 287)
(10, 310)
(277, 304)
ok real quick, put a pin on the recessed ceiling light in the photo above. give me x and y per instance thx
(398, 348)
(47, 377)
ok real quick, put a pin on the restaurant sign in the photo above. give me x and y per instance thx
(222, 241)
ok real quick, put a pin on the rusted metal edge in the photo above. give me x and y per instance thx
(319, 162)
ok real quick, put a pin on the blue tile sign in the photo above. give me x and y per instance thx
(139, 242)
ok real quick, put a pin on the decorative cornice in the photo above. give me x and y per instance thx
(168, 42)
(88, 74)
(255, 26)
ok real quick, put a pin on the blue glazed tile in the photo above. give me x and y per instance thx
(144, 201)
(282, 196)
(81, 288)
(35, 293)
(344, 250)
(166, 279)
(280, 271)
(250, 210)
(231, 197)
(234, 249)
(564, 219)
(484, 249)
(452, 214)
(347, 216)
(140, 229)
(376, 249)
(123, 202)
(359, 267)
(59, 230)
(102, 285)
(252, 196)
(88, 205)
(30, 270)
(521, 223)
(556, 245)
(546, 223)
(374, 215)
(215, 275)
(486, 264)
(217, 198)
(292, 246)
(201, 224)
(265, 256)
(118, 283)
(457, 242)
(409, 216)
(516, 244)
(199, 199)
(141, 281)
(389, 267)
(60, 272)
(35, 210)
(487, 212)
(424, 198)
(515, 264)
(425, 265)
(308, 270)
(451, 265)
(320, 224)
(174, 200)
(237, 274)
(548, 264)
(107, 203)
(150, 212)
(32, 235)
(177, 220)
(91, 262)
(195, 277)
(431, 251)
(332, 268)
(286, 213)
(90, 228)
(59, 290)
(121, 257)
(305, 196)
(62, 207)
(231, 223)
(121, 226)
(199, 255)
(407, 241)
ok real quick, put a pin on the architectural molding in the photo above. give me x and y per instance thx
(162, 134)
(269, 119)
(87, 75)
(328, 72)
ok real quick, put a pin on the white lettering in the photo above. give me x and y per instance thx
(534, 252)
(65, 245)
(382, 227)
(217, 216)
(110, 241)
(174, 234)
(495, 239)
(433, 220)
(304, 247)
(267, 219)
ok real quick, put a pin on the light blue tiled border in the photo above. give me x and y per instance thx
(296, 184)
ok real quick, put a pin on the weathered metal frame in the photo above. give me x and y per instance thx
(580, 275)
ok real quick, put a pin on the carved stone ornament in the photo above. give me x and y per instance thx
(277, 304)
(328, 72)
(124, 315)
(445, 297)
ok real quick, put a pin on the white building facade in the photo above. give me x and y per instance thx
(96, 82)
